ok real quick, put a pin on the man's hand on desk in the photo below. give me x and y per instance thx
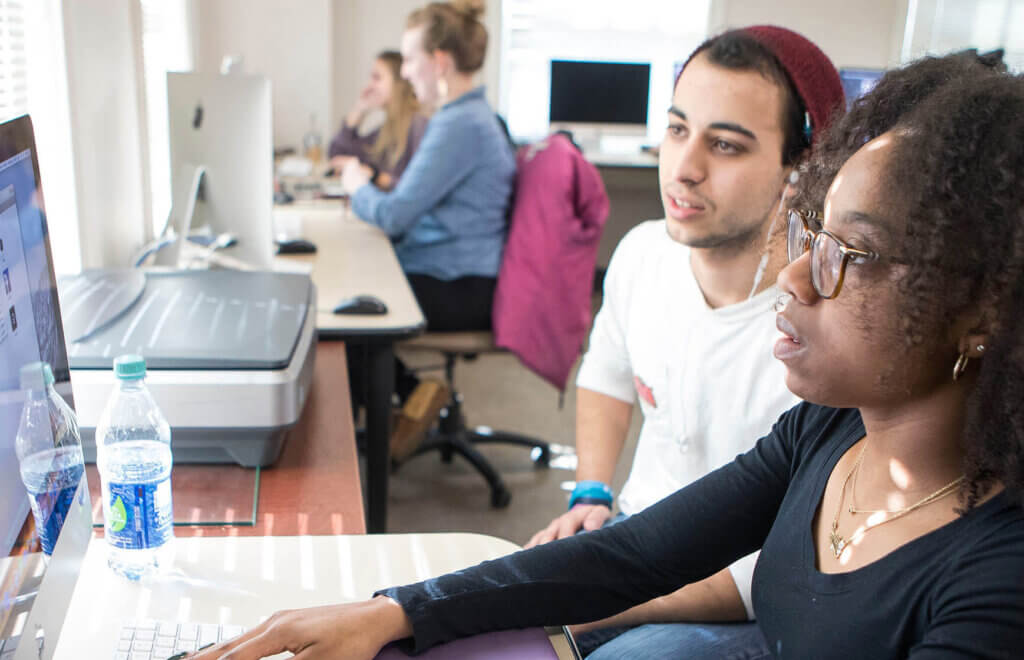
(355, 176)
(581, 516)
(356, 631)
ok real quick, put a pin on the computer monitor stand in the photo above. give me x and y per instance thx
(166, 249)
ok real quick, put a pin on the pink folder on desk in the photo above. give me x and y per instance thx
(528, 644)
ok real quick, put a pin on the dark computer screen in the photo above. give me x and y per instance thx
(599, 92)
(857, 82)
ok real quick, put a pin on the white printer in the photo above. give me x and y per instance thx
(229, 354)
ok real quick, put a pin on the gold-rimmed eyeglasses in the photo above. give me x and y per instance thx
(829, 254)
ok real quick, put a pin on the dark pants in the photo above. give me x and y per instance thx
(448, 306)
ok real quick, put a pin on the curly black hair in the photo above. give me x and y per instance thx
(960, 159)
(957, 175)
(876, 112)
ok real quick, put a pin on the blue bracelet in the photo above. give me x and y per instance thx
(591, 492)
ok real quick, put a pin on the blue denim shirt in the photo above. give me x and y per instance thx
(448, 214)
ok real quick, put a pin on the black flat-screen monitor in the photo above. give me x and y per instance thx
(599, 92)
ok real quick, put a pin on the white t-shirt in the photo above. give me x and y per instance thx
(706, 379)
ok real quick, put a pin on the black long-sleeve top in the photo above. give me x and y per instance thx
(956, 592)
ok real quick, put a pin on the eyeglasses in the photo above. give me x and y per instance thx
(829, 255)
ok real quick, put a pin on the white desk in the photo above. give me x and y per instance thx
(239, 580)
(353, 258)
(638, 158)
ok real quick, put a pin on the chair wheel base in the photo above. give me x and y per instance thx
(541, 456)
(500, 498)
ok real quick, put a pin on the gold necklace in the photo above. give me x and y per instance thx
(836, 540)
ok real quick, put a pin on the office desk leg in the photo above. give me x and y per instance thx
(381, 375)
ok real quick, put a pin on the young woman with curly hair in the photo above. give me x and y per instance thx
(888, 507)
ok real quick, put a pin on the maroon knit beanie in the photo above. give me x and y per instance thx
(811, 72)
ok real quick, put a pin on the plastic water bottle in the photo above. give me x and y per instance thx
(133, 455)
(49, 451)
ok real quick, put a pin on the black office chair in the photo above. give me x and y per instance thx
(452, 435)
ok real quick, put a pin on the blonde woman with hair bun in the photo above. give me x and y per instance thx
(447, 215)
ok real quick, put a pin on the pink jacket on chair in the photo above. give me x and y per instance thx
(542, 302)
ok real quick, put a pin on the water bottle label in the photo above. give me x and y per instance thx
(50, 510)
(138, 515)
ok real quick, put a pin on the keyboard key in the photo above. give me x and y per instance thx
(188, 631)
(146, 624)
(228, 631)
(168, 629)
(185, 645)
(209, 634)
(124, 645)
(166, 640)
(122, 656)
(136, 655)
(146, 635)
(142, 645)
(127, 632)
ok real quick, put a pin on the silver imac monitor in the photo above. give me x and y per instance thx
(39, 564)
(221, 125)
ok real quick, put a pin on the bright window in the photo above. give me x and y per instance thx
(166, 46)
(534, 32)
(33, 80)
(942, 26)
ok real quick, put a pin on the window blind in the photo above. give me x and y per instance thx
(13, 60)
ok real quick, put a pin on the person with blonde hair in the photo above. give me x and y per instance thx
(447, 215)
(388, 148)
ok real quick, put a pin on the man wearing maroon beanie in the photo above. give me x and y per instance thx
(686, 325)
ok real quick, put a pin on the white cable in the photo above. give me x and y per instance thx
(762, 266)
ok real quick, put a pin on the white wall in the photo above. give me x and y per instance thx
(865, 33)
(317, 53)
(287, 41)
(106, 129)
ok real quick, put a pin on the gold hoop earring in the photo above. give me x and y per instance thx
(442, 89)
(960, 366)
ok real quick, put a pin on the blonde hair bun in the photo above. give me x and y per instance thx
(471, 9)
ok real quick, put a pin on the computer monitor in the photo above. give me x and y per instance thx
(857, 82)
(222, 124)
(609, 98)
(35, 588)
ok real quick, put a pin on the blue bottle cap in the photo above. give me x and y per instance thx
(36, 376)
(130, 367)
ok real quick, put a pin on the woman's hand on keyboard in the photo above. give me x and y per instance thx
(355, 631)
